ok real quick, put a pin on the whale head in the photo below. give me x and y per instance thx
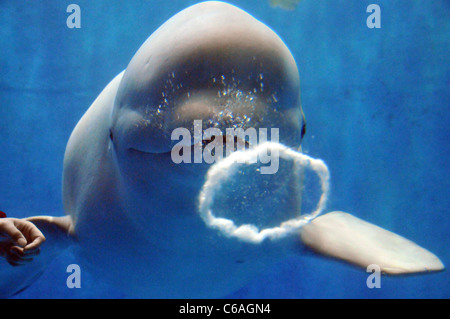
(211, 62)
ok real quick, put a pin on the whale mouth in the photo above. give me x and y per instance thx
(236, 142)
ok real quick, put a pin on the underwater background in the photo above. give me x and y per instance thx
(376, 103)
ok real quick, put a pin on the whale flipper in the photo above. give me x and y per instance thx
(57, 232)
(343, 236)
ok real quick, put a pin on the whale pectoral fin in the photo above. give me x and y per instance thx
(24, 262)
(343, 236)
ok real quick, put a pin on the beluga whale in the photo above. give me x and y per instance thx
(134, 216)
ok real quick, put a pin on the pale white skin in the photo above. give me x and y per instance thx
(132, 212)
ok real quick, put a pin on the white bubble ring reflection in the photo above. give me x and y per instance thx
(226, 167)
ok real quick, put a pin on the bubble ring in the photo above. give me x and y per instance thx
(226, 167)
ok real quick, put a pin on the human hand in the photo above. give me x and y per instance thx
(20, 241)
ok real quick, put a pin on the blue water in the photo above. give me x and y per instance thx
(376, 103)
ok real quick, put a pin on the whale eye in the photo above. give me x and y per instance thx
(303, 129)
(111, 137)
